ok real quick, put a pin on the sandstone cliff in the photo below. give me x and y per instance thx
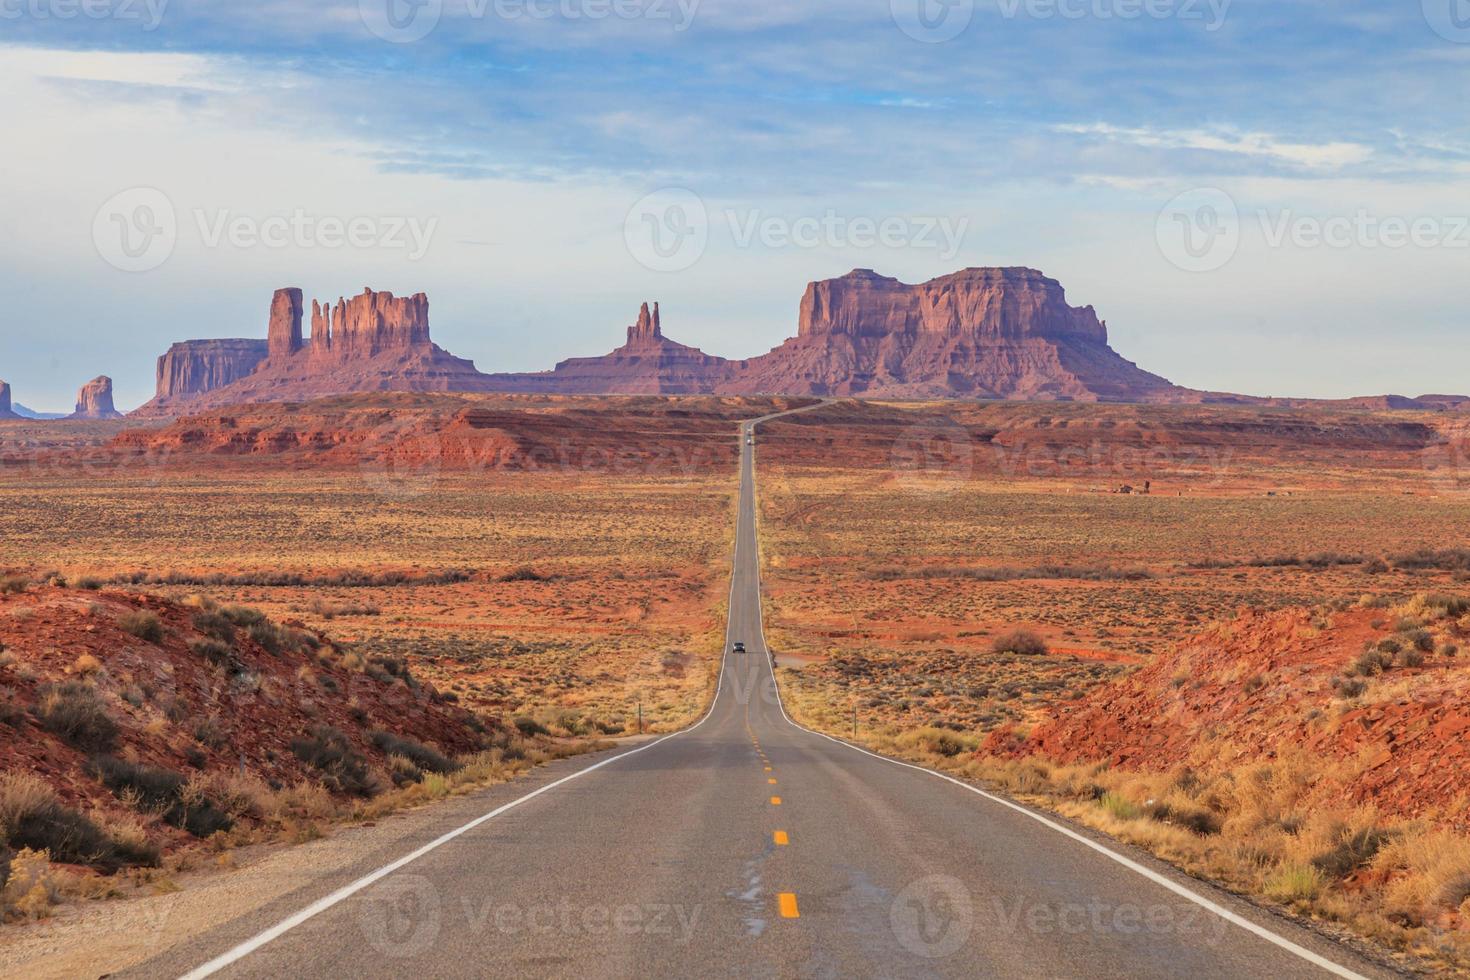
(373, 342)
(94, 401)
(979, 333)
(6, 410)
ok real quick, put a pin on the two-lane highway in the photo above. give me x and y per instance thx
(749, 847)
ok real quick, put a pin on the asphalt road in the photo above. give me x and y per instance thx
(748, 847)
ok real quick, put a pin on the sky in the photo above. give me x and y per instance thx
(1262, 196)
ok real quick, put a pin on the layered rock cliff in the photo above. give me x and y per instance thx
(94, 401)
(374, 341)
(978, 333)
(196, 366)
(6, 409)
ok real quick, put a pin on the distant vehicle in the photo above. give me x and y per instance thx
(750, 440)
(740, 648)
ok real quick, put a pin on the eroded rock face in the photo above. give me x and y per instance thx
(978, 333)
(94, 401)
(283, 335)
(372, 342)
(194, 367)
(6, 411)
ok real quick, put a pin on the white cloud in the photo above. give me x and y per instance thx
(1312, 156)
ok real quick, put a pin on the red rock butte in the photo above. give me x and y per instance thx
(7, 411)
(94, 401)
(977, 334)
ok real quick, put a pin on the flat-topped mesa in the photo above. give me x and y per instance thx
(94, 401)
(989, 304)
(647, 332)
(283, 336)
(193, 367)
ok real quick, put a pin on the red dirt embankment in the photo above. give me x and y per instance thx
(1379, 695)
(193, 692)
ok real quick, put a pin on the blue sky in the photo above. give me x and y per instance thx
(516, 137)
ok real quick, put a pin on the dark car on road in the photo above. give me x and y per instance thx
(739, 647)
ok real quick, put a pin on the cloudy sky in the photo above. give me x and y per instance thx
(1267, 196)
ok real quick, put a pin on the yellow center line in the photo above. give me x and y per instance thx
(772, 780)
(768, 768)
(775, 801)
(782, 838)
(788, 906)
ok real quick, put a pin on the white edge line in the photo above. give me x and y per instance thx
(237, 953)
(1127, 862)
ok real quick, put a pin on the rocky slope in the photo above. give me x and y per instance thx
(979, 333)
(94, 401)
(1375, 695)
(183, 720)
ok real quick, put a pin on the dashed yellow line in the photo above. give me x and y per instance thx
(775, 801)
(788, 906)
(772, 780)
(782, 838)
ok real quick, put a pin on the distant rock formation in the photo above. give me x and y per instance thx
(94, 401)
(648, 364)
(372, 342)
(193, 367)
(6, 410)
(978, 333)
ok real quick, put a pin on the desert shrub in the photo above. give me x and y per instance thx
(403, 772)
(163, 791)
(14, 584)
(1421, 640)
(272, 639)
(343, 768)
(1352, 849)
(32, 817)
(418, 753)
(243, 616)
(1293, 883)
(1349, 687)
(212, 650)
(524, 574)
(216, 625)
(75, 713)
(1371, 661)
(209, 732)
(530, 726)
(89, 582)
(1119, 807)
(331, 610)
(1412, 657)
(142, 624)
(1021, 642)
